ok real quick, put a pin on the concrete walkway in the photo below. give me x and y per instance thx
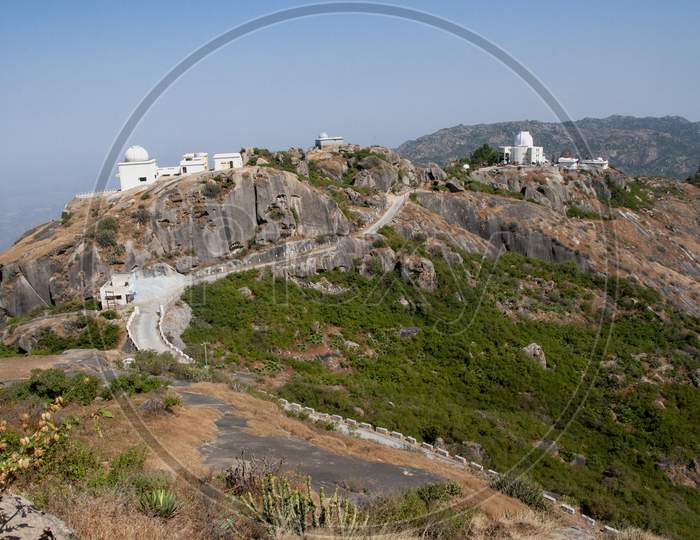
(358, 479)
(396, 203)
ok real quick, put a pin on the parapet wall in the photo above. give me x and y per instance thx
(396, 439)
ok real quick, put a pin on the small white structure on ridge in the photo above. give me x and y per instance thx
(194, 162)
(324, 140)
(118, 291)
(137, 169)
(230, 160)
(597, 164)
(568, 163)
(168, 171)
(523, 151)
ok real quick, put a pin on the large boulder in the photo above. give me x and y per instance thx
(534, 351)
(24, 521)
(418, 271)
(329, 163)
(375, 173)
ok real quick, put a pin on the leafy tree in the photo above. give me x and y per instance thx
(484, 155)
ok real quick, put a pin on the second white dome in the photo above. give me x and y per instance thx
(136, 153)
(523, 139)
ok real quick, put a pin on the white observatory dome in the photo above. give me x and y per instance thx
(523, 139)
(136, 153)
(323, 135)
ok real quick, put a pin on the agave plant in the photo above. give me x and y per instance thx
(159, 502)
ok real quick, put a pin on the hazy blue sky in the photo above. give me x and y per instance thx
(71, 72)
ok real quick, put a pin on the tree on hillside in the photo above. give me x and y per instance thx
(484, 155)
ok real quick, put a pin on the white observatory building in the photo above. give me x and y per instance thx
(523, 151)
(228, 160)
(324, 140)
(137, 169)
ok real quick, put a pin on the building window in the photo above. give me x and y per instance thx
(142, 178)
(184, 169)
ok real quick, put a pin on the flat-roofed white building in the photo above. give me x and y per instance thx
(597, 164)
(118, 291)
(137, 169)
(194, 162)
(324, 140)
(229, 160)
(168, 171)
(568, 163)
(523, 151)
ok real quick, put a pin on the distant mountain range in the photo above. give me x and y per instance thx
(666, 146)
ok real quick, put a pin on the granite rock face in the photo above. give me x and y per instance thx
(417, 271)
(24, 521)
(187, 222)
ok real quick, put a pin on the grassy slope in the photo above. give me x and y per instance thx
(463, 376)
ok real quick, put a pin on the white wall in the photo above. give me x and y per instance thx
(137, 173)
(193, 166)
(118, 291)
(232, 162)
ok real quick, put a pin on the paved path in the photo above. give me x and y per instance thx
(356, 478)
(396, 203)
(155, 292)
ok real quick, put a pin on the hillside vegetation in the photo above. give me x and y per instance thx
(619, 398)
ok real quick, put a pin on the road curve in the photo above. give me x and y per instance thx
(155, 292)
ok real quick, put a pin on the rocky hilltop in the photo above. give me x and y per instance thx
(668, 146)
(644, 228)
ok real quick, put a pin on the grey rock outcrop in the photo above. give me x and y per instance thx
(254, 206)
(375, 173)
(534, 351)
(509, 229)
(418, 271)
(24, 521)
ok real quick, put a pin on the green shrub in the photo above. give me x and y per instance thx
(49, 384)
(106, 232)
(109, 314)
(576, 212)
(126, 465)
(437, 493)
(171, 401)
(73, 461)
(87, 333)
(154, 363)
(211, 190)
(7, 351)
(521, 489)
(159, 502)
(135, 383)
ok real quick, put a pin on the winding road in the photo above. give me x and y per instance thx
(156, 293)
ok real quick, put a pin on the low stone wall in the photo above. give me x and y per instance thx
(179, 355)
(389, 438)
(129, 321)
(91, 194)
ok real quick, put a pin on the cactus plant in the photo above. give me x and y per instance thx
(285, 508)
